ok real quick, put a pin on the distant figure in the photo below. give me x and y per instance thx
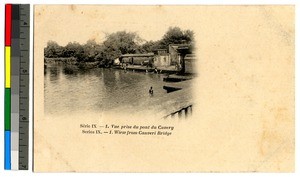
(125, 68)
(155, 70)
(151, 91)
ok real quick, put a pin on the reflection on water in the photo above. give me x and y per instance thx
(98, 90)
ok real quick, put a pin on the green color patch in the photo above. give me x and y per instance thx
(7, 114)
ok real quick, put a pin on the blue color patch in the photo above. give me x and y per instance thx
(7, 149)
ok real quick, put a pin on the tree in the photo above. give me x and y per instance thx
(74, 49)
(116, 44)
(71, 49)
(121, 42)
(90, 50)
(53, 50)
(175, 35)
(189, 36)
(150, 46)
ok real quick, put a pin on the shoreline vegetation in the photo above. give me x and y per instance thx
(108, 54)
(172, 55)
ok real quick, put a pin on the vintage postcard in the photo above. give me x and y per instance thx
(164, 88)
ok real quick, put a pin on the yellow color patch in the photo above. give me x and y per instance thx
(7, 66)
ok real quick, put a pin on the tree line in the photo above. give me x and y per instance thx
(116, 44)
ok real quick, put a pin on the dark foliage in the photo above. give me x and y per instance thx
(116, 44)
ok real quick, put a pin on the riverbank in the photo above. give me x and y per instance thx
(72, 64)
(70, 60)
(139, 68)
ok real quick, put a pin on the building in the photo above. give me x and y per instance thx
(175, 54)
(162, 59)
(182, 56)
(137, 59)
(190, 63)
(162, 52)
(178, 57)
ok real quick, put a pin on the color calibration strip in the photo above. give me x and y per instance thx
(16, 86)
(7, 97)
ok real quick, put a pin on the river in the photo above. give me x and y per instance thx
(98, 90)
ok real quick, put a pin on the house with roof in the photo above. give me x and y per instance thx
(178, 57)
(182, 55)
(136, 59)
(162, 59)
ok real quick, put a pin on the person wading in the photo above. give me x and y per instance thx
(151, 91)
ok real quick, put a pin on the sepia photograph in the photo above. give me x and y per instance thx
(164, 88)
(122, 72)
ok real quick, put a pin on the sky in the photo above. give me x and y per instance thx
(69, 23)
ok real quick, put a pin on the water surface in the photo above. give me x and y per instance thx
(98, 90)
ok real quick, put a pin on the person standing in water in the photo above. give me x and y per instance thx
(151, 91)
